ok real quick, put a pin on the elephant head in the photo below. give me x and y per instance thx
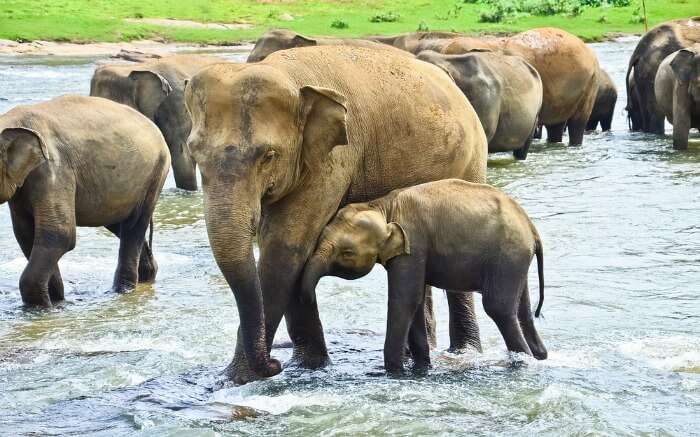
(254, 134)
(686, 68)
(356, 239)
(275, 40)
(21, 151)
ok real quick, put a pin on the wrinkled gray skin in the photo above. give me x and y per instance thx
(283, 143)
(155, 88)
(505, 91)
(79, 161)
(677, 88)
(283, 39)
(604, 106)
(416, 42)
(449, 234)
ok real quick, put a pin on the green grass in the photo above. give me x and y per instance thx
(103, 20)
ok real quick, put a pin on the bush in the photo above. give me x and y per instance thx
(388, 17)
(339, 24)
(423, 27)
(494, 16)
(620, 3)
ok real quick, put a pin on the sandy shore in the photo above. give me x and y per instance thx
(147, 47)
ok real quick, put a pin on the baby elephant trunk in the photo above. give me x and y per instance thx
(315, 269)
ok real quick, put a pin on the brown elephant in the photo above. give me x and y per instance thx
(283, 143)
(449, 234)
(283, 39)
(604, 106)
(505, 91)
(80, 161)
(416, 42)
(664, 39)
(155, 88)
(677, 88)
(566, 66)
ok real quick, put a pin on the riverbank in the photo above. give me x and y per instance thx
(220, 22)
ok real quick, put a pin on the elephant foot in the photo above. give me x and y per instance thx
(305, 360)
(240, 373)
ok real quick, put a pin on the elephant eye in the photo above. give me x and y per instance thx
(347, 253)
(269, 156)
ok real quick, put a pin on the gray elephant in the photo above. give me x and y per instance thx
(664, 39)
(283, 39)
(677, 88)
(416, 42)
(283, 143)
(604, 106)
(449, 234)
(155, 89)
(80, 161)
(505, 91)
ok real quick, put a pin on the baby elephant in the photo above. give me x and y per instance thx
(79, 161)
(677, 89)
(449, 234)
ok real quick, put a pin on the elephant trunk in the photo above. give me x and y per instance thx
(232, 215)
(184, 170)
(316, 267)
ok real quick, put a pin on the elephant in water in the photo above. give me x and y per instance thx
(283, 143)
(155, 89)
(80, 161)
(416, 42)
(283, 39)
(568, 70)
(506, 93)
(642, 109)
(604, 106)
(450, 234)
(677, 88)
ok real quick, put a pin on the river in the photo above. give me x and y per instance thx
(620, 221)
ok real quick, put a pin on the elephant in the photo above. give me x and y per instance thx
(677, 88)
(604, 106)
(155, 89)
(566, 66)
(451, 234)
(505, 91)
(666, 38)
(80, 161)
(283, 39)
(283, 143)
(416, 42)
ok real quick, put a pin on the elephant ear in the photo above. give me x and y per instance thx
(25, 150)
(149, 91)
(324, 124)
(396, 244)
(682, 64)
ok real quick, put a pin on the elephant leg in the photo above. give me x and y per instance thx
(592, 124)
(429, 317)
(606, 122)
(521, 153)
(147, 263)
(501, 301)
(576, 130)
(132, 238)
(406, 294)
(527, 324)
(464, 329)
(537, 134)
(555, 132)
(418, 342)
(23, 228)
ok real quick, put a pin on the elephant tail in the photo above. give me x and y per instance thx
(150, 234)
(540, 273)
(631, 107)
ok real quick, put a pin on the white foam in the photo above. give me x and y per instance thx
(271, 404)
(676, 353)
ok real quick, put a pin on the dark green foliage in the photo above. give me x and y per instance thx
(339, 24)
(388, 17)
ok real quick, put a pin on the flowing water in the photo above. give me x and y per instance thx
(620, 219)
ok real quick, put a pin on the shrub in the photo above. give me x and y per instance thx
(620, 3)
(493, 16)
(602, 19)
(423, 27)
(389, 17)
(339, 24)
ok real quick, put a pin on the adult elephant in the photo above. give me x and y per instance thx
(416, 42)
(642, 109)
(283, 143)
(155, 89)
(283, 39)
(506, 93)
(604, 106)
(568, 69)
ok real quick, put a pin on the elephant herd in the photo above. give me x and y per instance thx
(331, 156)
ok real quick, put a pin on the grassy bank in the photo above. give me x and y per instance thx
(105, 20)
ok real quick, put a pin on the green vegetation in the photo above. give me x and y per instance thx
(106, 20)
